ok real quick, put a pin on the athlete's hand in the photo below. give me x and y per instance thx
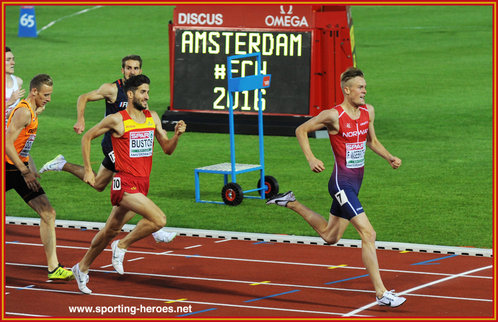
(18, 94)
(31, 181)
(316, 165)
(180, 127)
(89, 177)
(395, 162)
(79, 127)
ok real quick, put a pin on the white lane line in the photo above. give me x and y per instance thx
(354, 312)
(50, 24)
(190, 247)
(27, 314)
(222, 241)
(188, 301)
(258, 261)
(246, 282)
(135, 259)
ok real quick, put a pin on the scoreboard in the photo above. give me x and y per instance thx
(201, 71)
(304, 47)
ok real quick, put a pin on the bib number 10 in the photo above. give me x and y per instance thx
(116, 183)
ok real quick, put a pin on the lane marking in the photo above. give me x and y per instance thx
(346, 279)
(259, 261)
(50, 24)
(269, 296)
(259, 283)
(431, 261)
(135, 259)
(338, 266)
(174, 301)
(261, 242)
(197, 312)
(25, 287)
(27, 314)
(222, 241)
(190, 247)
(128, 297)
(238, 281)
(354, 312)
(190, 256)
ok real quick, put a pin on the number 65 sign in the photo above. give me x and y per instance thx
(27, 22)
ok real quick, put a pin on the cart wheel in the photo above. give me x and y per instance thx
(232, 194)
(272, 186)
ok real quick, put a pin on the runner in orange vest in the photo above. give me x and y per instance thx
(20, 170)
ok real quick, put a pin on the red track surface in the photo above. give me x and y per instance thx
(210, 277)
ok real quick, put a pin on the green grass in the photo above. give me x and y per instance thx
(429, 76)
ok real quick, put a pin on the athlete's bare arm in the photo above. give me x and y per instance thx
(328, 119)
(107, 91)
(374, 143)
(114, 123)
(168, 145)
(20, 119)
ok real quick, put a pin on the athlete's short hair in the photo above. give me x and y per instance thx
(131, 57)
(39, 80)
(7, 49)
(349, 74)
(132, 83)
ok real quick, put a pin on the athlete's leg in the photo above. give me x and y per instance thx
(102, 178)
(331, 231)
(118, 217)
(42, 206)
(368, 252)
(153, 217)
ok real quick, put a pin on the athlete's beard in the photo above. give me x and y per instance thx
(138, 105)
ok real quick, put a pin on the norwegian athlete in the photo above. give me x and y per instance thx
(132, 132)
(20, 170)
(351, 129)
(115, 101)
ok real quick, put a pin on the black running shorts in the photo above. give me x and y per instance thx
(14, 180)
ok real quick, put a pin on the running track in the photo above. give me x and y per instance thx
(201, 277)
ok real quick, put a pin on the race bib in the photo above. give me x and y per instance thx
(355, 154)
(27, 146)
(111, 156)
(341, 197)
(116, 183)
(141, 144)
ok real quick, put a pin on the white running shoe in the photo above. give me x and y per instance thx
(162, 236)
(282, 199)
(117, 257)
(389, 298)
(81, 279)
(55, 164)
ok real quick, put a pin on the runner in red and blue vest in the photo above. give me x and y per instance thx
(133, 131)
(350, 126)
